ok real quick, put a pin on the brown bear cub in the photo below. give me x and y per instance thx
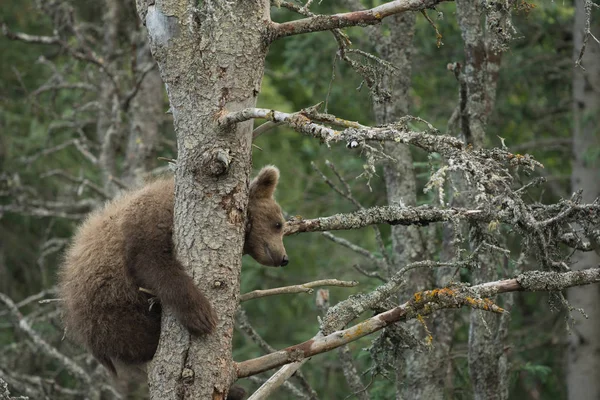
(127, 245)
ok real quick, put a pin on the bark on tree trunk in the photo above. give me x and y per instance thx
(211, 59)
(147, 114)
(420, 374)
(108, 127)
(487, 359)
(584, 338)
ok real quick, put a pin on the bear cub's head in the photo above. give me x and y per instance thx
(264, 229)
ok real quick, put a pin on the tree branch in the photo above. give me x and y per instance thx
(304, 288)
(24, 37)
(392, 215)
(276, 380)
(42, 345)
(422, 304)
(372, 16)
(244, 325)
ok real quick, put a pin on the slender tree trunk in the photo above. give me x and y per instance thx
(108, 127)
(211, 59)
(487, 359)
(420, 374)
(584, 338)
(147, 115)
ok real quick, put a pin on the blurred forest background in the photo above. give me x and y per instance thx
(48, 107)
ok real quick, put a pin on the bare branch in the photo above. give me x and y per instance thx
(304, 288)
(422, 304)
(355, 134)
(37, 386)
(35, 297)
(244, 325)
(351, 373)
(75, 142)
(136, 87)
(277, 379)
(64, 86)
(70, 212)
(587, 33)
(392, 215)
(24, 37)
(294, 391)
(5, 393)
(82, 182)
(346, 243)
(347, 194)
(372, 274)
(42, 345)
(372, 16)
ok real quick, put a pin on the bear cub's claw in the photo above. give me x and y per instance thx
(198, 323)
(197, 315)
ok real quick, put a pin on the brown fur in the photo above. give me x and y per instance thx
(128, 244)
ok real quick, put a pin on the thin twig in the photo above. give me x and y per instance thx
(303, 288)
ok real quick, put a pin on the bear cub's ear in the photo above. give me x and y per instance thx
(263, 186)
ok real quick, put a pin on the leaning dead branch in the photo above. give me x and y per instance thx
(422, 304)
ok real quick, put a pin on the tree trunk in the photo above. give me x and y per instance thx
(108, 126)
(147, 115)
(584, 338)
(420, 375)
(487, 359)
(211, 59)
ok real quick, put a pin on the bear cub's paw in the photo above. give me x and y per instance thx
(198, 323)
(197, 315)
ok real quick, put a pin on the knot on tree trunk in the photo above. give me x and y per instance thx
(216, 163)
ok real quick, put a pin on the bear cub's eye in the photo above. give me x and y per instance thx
(278, 225)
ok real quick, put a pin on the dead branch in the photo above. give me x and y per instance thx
(74, 142)
(82, 182)
(44, 346)
(33, 298)
(357, 249)
(422, 304)
(5, 393)
(277, 379)
(286, 384)
(385, 262)
(36, 211)
(392, 215)
(244, 325)
(372, 16)
(588, 32)
(351, 373)
(303, 288)
(127, 97)
(24, 37)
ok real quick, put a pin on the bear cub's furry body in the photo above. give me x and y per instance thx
(127, 245)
